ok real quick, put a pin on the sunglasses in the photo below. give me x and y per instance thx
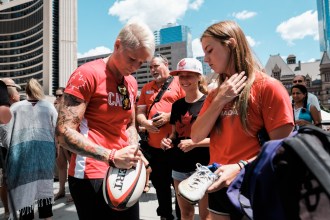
(126, 103)
(164, 59)
(60, 95)
(297, 81)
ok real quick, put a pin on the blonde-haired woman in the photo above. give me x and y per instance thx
(31, 153)
(245, 101)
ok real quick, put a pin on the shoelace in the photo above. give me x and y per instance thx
(201, 176)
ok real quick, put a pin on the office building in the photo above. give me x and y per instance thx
(173, 33)
(323, 10)
(206, 68)
(38, 40)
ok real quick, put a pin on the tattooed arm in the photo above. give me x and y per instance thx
(71, 112)
(131, 130)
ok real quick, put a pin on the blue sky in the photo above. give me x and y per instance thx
(272, 26)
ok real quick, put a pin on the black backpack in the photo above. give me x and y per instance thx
(289, 180)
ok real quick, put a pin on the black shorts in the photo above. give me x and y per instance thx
(220, 204)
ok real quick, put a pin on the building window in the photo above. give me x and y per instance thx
(327, 77)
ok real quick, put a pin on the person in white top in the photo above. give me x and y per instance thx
(312, 99)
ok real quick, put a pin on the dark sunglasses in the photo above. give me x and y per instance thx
(126, 103)
(297, 81)
(60, 95)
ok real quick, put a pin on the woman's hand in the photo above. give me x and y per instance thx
(227, 174)
(186, 145)
(231, 87)
(166, 143)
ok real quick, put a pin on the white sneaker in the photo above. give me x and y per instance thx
(194, 187)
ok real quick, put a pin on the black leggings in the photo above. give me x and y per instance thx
(87, 195)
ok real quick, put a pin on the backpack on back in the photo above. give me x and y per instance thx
(290, 179)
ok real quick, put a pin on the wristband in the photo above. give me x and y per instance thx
(244, 162)
(112, 158)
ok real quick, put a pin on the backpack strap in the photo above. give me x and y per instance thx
(312, 145)
(161, 93)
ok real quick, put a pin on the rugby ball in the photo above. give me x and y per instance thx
(122, 188)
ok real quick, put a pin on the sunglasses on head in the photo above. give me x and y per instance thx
(126, 103)
(297, 81)
(162, 57)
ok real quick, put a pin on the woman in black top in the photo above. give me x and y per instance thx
(183, 152)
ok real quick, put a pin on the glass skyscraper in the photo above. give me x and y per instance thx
(176, 33)
(323, 9)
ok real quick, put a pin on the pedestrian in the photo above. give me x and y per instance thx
(154, 116)
(5, 114)
(304, 113)
(13, 96)
(184, 153)
(62, 156)
(30, 159)
(246, 101)
(311, 98)
(97, 121)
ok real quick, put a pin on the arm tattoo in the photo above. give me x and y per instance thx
(71, 112)
(131, 130)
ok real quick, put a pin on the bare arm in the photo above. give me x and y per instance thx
(5, 114)
(225, 93)
(143, 121)
(131, 131)
(281, 132)
(316, 115)
(70, 115)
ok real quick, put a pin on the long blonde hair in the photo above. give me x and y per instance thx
(242, 57)
(34, 90)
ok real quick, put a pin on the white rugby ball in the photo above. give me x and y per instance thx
(122, 188)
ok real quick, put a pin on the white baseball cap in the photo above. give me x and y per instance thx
(188, 65)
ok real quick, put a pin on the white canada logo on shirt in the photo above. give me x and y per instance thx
(78, 79)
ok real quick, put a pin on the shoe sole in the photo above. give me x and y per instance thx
(188, 200)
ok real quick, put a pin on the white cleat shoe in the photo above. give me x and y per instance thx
(194, 187)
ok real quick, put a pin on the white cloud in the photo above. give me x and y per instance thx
(251, 41)
(243, 15)
(96, 51)
(195, 5)
(197, 48)
(154, 13)
(299, 27)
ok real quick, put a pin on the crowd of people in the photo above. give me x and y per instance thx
(184, 126)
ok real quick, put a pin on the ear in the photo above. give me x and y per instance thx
(232, 42)
(117, 44)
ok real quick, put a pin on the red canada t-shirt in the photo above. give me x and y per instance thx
(105, 121)
(269, 107)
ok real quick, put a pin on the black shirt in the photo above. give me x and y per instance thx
(183, 115)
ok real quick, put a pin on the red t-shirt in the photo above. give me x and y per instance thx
(148, 95)
(269, 107)
(105, 121)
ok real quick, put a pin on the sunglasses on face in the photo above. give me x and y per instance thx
(297, 81)
(58, 95)
(126, 103)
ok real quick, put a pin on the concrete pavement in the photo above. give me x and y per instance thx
(63, 211)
